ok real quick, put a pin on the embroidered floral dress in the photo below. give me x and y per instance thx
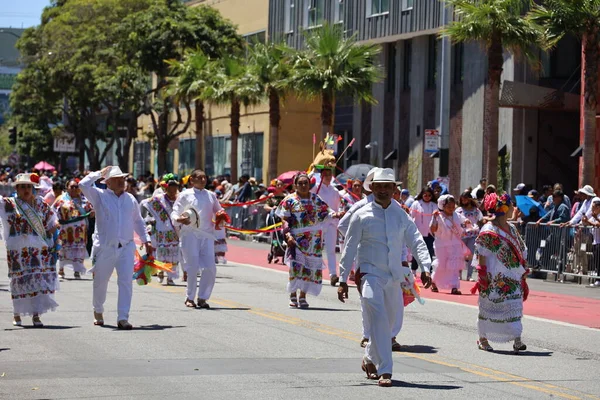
(30, 258)
(501, 291)
(73, 231)
(348, 200)
(162, 232)
(305, 262)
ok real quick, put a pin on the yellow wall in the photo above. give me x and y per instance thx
(299, 119)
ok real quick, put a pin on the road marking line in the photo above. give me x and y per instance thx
(329, 330)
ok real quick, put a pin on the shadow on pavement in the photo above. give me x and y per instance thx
(525, 353)
(326, 309)
(418, 349)
(396, 383)
(74, 280)
(154, 327)
(229, 308)
(45, 327)
(4, 349)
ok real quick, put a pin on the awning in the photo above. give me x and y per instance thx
(523, 95)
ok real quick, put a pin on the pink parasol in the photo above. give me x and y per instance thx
(44, 166)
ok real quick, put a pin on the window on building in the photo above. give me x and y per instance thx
(287, 15)
(257, 37)
(432, 62)
(407, 64)
(187, 156)
(339, 10)
(378, 6)
(314, 16)
(141, 158)
(459, 63)
(407, 5)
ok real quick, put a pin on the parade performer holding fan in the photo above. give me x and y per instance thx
(376, 237)
(28, 227)
(117, 217)
(303, 213)
(163, 234)
(197, 210)
(73, 209)
(501, 254)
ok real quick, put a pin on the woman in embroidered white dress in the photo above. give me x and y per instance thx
(448, 228)
(421, 211)
(303, 213)
(72, 209)
(162, 231)
(468, 209)
(28, 227)
(501, 254)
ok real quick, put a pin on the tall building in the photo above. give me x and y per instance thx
(538, 120)
(10, 66)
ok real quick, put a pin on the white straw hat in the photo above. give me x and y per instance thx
(587, 190)
(27, 179)
(380, 175)
(114, 172)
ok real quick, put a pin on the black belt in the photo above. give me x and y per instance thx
(120, 245)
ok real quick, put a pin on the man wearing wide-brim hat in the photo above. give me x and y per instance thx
(377, 234)
(117, 217)
(28, 225)
(587, 194)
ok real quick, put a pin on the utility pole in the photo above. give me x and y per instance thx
(444, 116)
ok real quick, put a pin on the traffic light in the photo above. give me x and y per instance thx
(12, 136)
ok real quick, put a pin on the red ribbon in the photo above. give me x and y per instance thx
(482, 280)
(524, 285)
(249, 203)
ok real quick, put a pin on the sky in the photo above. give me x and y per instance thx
(21, 13)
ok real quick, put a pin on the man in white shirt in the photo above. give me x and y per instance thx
(117, 217)
(197, 241)
(330, 195)
(377, 235)
(482, 186)
(587, 192)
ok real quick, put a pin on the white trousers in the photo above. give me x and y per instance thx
(381, 301)
(397, 324)
(199, 254)
(76, 266)
(107, 259)
(330, 241)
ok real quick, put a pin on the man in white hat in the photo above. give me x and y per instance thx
(197, 239)
(587, 192)
(343, 228)
(117, 217)
(376, 237)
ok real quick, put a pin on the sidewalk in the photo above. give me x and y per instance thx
(574, 304)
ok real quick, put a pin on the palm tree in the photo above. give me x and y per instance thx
(580, 18)
(332, 64)
(499, 25)
(232, 83)
(191, 77)
(269, 64)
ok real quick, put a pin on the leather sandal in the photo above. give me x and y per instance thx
(293, 301)
(484, 345)
(519, 346)
(363, 342)
(434, 288)
(455, 291)
(302, 303)
(17, 320)
(333, 280)
(385, 382)
(124, 325)
(203, 304)
(184, 276)
(370, 369)
(395, 345)
(98, 319)
(37, 322)
(190, 303)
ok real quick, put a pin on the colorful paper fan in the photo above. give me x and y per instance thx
(221, 218)
(146, 266)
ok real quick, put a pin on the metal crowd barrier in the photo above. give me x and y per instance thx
(248, 218)
(567, 251)
(6, 190)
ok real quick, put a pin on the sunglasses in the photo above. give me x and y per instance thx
(74, 187)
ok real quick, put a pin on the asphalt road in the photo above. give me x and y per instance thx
(250, 345)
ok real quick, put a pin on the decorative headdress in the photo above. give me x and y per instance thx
(497, 205)
(325, 159)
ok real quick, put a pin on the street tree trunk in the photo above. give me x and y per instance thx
(161, 155)
(326, 113)
(235, 134)
(274, 119)
(589, 107)
(492, 110)
(199, 118)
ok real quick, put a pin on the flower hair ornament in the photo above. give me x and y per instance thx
(497, 205)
